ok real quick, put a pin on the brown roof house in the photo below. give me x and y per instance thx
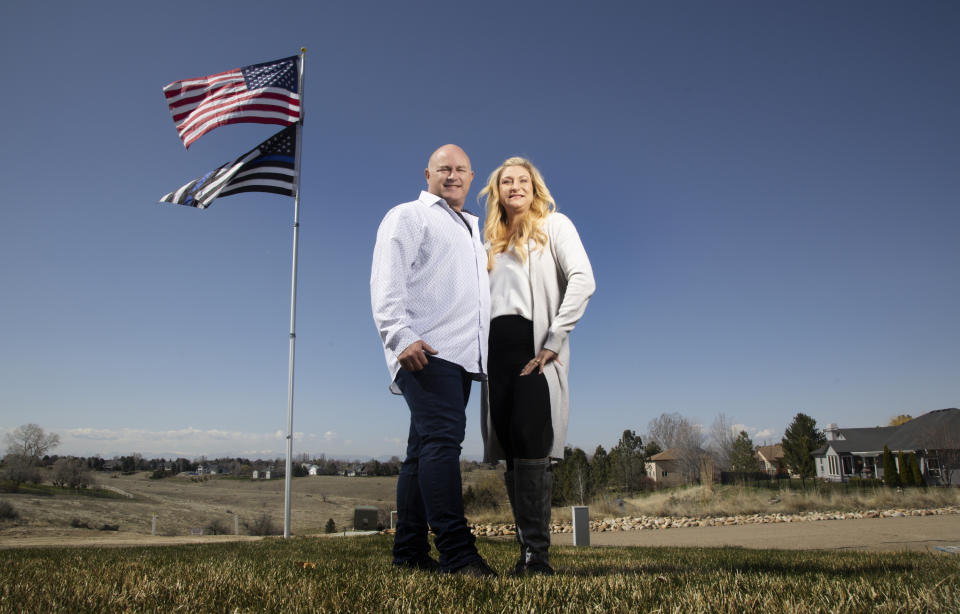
(675, 466)
(771, 459)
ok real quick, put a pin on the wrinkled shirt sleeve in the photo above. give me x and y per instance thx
(395, 253)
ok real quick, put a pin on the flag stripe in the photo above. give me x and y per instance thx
(238, 120)
(270, 167)
(265, 93)
(253, 106)
(267, 99)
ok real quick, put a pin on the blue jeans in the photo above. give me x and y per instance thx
(429, 487)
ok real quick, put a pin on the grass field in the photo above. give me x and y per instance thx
(354, 575)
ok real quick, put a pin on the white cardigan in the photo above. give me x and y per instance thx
(561, 282)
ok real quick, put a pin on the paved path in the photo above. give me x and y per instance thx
(906, 533)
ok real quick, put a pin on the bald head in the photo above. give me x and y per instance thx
(449, 175)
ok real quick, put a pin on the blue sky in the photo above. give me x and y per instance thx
(768, 193)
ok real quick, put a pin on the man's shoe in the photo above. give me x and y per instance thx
(477, 569)
(519, 569)
(539, 568)
(424, 562)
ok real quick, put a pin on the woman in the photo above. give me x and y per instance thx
(540, 282)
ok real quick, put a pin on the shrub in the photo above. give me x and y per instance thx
(216, 527)
(71, 473)
(76, 523)
(110, 527)
(7, 511)
(21, 469)
(330, 527)
(485, 495)
(261, 525)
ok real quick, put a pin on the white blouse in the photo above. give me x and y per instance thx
(510, 292)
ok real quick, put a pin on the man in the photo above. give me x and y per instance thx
(431, 304)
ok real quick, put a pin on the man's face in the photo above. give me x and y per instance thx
(449, 175)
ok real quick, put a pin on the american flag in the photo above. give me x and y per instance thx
(269, 167)
(262, 93)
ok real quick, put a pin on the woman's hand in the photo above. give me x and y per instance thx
(545, 356)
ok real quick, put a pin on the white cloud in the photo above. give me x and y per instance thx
(188, 442)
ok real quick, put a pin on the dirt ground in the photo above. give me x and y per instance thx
(876, 534)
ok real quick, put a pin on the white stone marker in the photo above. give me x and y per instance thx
(581, 525)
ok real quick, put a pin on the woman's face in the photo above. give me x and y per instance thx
(516, 190)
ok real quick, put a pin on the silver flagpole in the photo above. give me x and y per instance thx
(288, 474)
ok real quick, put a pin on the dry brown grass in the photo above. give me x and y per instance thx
(734, 500)
(181, 504)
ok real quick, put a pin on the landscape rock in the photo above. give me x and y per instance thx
(640, 523)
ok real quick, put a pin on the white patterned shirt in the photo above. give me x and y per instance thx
(429, 281)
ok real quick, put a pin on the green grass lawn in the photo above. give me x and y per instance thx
(354, 575)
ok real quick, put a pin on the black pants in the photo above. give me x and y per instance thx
(519, 406)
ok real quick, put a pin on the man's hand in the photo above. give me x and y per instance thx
(413, 358)
(545, 356)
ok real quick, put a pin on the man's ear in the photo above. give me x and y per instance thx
(426, 174)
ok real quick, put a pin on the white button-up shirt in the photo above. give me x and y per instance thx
(429, 281)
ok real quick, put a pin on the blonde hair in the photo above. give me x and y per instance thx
(495, 229)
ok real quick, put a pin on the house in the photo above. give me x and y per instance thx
(673, 467)
(933, 437)
(771, 459)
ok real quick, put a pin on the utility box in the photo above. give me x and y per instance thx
(581, 525)
(365, 518)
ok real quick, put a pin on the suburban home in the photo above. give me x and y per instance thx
(771, 459)
(933, 437)
(675, 466)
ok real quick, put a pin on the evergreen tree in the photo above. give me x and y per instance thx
(799, 441)
(600, 470)
(906, 475)
(742, 457)
(571, 478)
(890, 477)
(652, 449)
(330, 527)
(626, 462)
(577, 488)
(915, 470)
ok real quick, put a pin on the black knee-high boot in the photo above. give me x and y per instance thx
(510, 483)
(533, 486)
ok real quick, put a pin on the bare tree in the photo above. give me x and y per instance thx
(20, 469)
(673, 431)
(943, 454)
(71, 473)
(30, 441)
(722, 437)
